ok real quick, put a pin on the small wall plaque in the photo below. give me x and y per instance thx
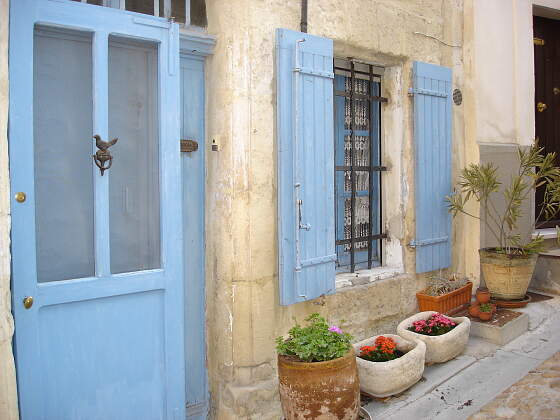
(189, 145)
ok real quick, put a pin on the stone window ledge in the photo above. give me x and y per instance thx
(549, 233)
(361, 277)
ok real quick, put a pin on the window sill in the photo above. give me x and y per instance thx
(549, 233)
(366, 276)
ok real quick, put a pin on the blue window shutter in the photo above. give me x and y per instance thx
(306, 232)
(432, 137)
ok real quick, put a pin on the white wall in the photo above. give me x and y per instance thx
(8, 395)
(503, 71)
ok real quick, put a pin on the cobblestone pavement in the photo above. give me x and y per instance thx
(536, 396)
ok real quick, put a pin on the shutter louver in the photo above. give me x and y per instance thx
(306, 233)
(433, 141)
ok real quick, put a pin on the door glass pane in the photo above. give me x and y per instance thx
(62, 125)
(134, 177)
(178, 10)
(140, 6)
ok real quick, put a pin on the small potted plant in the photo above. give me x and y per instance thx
(445, 293)
(486, 312)
(482, 295)
(388, 364)
(317, 372)
(445, 337)
(474, 310)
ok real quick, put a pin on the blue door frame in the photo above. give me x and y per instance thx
(193, 176)
(110, 344)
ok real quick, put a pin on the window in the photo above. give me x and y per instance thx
(163, 8)
(357, 125)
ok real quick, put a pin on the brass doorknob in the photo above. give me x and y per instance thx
(541, 107)
(28, 302)
(20, 197)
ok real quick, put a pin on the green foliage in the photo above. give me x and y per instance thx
(480, 182)
(486, 307)
(315, 342)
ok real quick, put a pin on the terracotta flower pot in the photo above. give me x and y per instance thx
(381, 379)
(445, 302)
(320, 390)
(474, 310)
(486, 316)
(439, 348)
(482, 295)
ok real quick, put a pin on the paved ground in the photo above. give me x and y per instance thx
(536, 396)
(488, 377)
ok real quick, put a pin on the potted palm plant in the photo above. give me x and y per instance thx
(508, 267)
(317, 372)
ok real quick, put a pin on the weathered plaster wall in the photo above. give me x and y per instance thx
(500, 57)
(8, 396)
(503, 54)
(242, 291)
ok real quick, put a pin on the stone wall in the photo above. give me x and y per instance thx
(8, 395)
(243, 314)
(493, 68)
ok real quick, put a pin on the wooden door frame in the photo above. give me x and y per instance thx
(194, 49)
(19, 111)
(549, 15)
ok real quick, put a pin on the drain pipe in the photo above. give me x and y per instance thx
(303, 24)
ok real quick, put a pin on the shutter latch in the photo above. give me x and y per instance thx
(304, 226)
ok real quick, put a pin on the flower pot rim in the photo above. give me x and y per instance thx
(503, 255)
(460, 320)
(418, 344)
(456, 291)
(285, 359)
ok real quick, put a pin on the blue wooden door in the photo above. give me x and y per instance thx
(100, 254)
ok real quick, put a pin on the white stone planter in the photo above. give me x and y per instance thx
(381, 379)
(439, 348)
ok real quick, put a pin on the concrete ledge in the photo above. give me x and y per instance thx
(501, 334)
(546, 277)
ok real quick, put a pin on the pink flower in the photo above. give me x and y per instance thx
(335, 329)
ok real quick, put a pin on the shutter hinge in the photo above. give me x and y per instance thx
(414, 243)
(310, 71)
(427, 92)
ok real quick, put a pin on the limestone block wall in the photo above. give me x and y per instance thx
(243, 314)
(8, 395)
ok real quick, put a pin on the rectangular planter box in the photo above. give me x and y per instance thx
(446, 302)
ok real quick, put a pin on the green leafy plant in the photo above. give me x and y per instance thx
(486, 307)
(316, 342)
(480, 182)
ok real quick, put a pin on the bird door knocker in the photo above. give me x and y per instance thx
(102, 158)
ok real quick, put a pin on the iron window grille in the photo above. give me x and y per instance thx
(358, 168)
